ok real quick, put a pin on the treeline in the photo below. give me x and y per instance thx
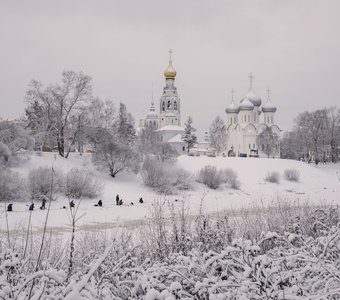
(315, 136)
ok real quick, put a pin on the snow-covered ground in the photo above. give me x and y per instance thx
(317, 184)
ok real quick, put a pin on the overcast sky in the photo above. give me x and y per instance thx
(292, 47)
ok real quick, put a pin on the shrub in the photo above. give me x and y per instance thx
(291, 175)
(39, 183)
(164, 177)
(182, 179)
(157, 175)
(12, 185)
(230, 178)
(81, 184)
(210, 176)
(273, 177)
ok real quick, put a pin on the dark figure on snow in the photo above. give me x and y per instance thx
(10, 207)
(131, 203)
(141, 200)
(72, 204)
(31, 207)
(120, 202)
(100, 203)
(117, 199)
(43, 204)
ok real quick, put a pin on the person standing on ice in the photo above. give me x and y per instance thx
(43, 204)
(31, 207)
(117, 199)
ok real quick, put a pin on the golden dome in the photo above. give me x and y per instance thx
(170, 72)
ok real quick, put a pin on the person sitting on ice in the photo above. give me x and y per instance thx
(141, 200)
(10, 207)
(117, 199)
(31, 207)
(72, 204)
(120, 202)
(100, 203)
(131, 203)
(43, 204)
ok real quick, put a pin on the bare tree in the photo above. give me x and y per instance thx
(218, 135)
(334, 131)
(115, 158)
(61, 104)
(268, 141)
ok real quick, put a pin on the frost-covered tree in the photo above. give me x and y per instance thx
(61, 104)
(291, 146)
(218, 135)
(147, 139)
(189, 137)
(125, 127)
(14, 140)
(116, 157)
(334, 131)
(268, 141)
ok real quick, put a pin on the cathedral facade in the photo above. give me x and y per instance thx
(246, 120)
(167, 121)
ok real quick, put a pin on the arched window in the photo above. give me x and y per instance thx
(248, 118)
(272, 119)
(163, 106)
(169, 103)
(175, 105)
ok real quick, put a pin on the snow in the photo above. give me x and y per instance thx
(171, 127)
(317, 184)
(176, 139)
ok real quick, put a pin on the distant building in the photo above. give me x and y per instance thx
(245, 123)
(168, 121)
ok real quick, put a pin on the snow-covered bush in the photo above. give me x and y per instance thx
(164, 177)
(273, 177)
(157, 175)
(182, 179)
(40, 182)
(81, 184)
(12, 185)
(210, 176)
(14, 141)
(291, 175)
(230, 178)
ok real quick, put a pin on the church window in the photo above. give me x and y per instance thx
(163, 106)
(272, 119)
(248, 118)
(262, 147)
(249, 146)
(169, 104)
(175, 105)
(254, 146)
(235, 120)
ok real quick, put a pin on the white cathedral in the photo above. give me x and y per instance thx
(244, 123)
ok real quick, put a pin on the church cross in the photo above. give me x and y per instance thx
(170, 53)
(232, 95)
(268, 91)
(251, 77)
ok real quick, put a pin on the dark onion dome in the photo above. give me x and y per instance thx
(268, 106)
(232, 108)
(246, 104)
